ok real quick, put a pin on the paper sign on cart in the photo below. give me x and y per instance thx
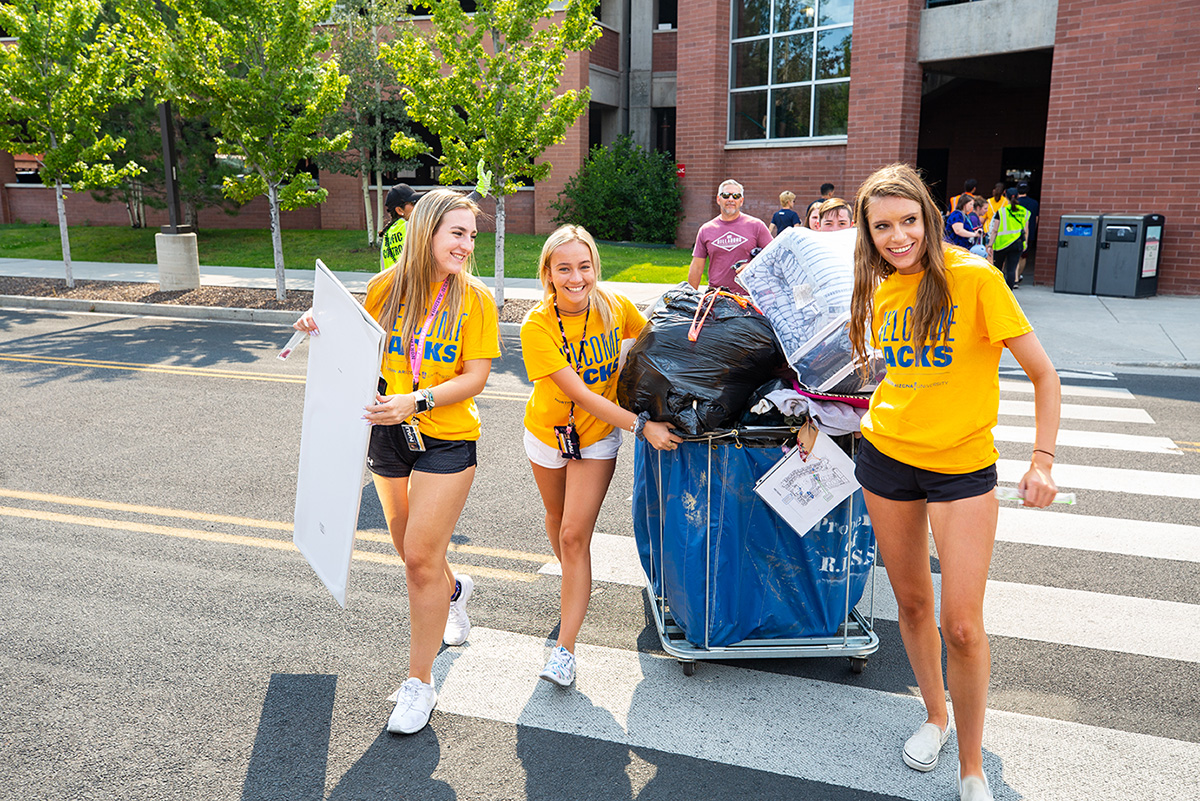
(343, 374)
(804, 490)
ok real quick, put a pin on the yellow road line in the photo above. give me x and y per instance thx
(476, 570)
(159, 511)
(205, 372)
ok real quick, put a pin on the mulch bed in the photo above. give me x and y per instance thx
(220, 296)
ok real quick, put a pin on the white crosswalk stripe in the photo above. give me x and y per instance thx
(1071, 391)
(1075, 411)
(1109, 479)
(1090, 439)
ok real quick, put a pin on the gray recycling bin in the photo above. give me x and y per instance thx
(1127, 265)
(1078, 247)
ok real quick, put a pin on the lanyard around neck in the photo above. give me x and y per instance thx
(570, 354)
(416, 349)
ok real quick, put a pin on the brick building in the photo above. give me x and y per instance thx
(1092, 102)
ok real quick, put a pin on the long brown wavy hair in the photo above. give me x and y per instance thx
(870, 268)
(414, 273)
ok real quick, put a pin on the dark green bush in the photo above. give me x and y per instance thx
(623, 193)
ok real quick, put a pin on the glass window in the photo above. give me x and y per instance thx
(792, 107)
(794, 15)
(750, 60)
(789, 74)
(749, 116)
(833, 54)
(833, 103)
(751, 18)
(793, 58)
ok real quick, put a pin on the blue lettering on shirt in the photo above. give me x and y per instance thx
(894, 336)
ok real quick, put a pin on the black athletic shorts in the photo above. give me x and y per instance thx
(388, 454)
(898, 481)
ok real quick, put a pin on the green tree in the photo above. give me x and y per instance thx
(256, 70)
(624, 192)
(373, 110)
(486, 84)
(198, 172)
(70, 64)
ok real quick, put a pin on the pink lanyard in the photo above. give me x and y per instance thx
(416, 349)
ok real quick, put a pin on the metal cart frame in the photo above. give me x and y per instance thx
(855, 638)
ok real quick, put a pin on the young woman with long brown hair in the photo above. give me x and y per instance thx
(941, 317)
(444, 335)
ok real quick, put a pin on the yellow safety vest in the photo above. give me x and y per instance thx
(1012, 225)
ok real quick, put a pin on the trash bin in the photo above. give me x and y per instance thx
(1078, 247)
(1127, 265)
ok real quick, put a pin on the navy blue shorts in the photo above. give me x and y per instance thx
(388, 454)
(897, 481)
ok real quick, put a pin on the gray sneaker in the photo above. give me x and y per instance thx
(561, 667)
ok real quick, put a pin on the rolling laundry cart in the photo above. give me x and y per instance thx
(728, 578)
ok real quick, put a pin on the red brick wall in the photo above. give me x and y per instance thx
(885, 88)
(1123, 126)
(662, 58)
(566, 156)
(606, 52)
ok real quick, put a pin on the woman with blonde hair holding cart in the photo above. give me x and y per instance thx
(571, 342)
(941, 318)
(444, 335)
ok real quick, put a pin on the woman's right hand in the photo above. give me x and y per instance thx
(306, 323)
(660, 436)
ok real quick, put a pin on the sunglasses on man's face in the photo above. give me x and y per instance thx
(734, 195)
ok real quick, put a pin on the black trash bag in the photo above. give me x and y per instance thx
(698, 386)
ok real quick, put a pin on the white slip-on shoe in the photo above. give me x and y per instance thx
(457, 624)
(414, 704)
(922, 749)
(974, 788)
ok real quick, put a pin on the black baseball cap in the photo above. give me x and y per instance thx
(401, 195)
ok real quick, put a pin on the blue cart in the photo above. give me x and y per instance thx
(728, 578)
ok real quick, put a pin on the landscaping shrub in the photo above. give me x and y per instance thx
(623, 192)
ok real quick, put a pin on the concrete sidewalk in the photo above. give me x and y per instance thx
(1084, 332)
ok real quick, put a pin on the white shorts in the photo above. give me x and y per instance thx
(543, 455)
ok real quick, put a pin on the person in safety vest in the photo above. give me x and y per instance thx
(399, 202)
(1009, 236)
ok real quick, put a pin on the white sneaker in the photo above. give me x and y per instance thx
(922, 749)
(457, 624)
(561, 667)
(413, 706)
(974, 788)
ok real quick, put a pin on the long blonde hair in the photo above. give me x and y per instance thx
(870, 268)
(599, 298)
(414, 273)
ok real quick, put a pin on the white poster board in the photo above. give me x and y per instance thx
(343, 374)
(803, 490)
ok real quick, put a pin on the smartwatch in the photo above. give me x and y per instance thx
(424, 401)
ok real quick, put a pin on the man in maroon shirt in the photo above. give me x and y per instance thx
(726, 241)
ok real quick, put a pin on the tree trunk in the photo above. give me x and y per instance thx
(499, 251)
(62, 230)
(366, 190)
(277, 242)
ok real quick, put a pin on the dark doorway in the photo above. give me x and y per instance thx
(934, 164)
(1024, 164)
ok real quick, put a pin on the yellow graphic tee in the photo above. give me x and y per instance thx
(475, 334)
(937, 405)
(594, 355)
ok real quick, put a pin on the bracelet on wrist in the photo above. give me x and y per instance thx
(1048, 453)
(639, 426)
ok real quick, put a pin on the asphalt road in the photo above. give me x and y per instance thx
(163, 639)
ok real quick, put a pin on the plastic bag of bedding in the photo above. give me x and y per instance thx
(698, 359)
(803, 281)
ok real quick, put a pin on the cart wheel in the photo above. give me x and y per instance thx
(857, 663)
(689, 668)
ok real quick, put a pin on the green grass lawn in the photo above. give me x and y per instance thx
(340, 250)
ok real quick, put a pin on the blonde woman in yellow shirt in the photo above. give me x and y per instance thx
(444, 335)
(571, 342)
(941, 317)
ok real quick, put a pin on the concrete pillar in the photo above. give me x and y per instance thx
(178, 262)
(641, 51)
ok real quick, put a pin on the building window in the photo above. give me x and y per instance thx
(789, 69)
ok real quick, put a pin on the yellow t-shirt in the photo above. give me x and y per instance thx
(474, 335)
(595, 354)
(936, 409)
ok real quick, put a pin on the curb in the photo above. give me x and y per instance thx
(281, 317)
